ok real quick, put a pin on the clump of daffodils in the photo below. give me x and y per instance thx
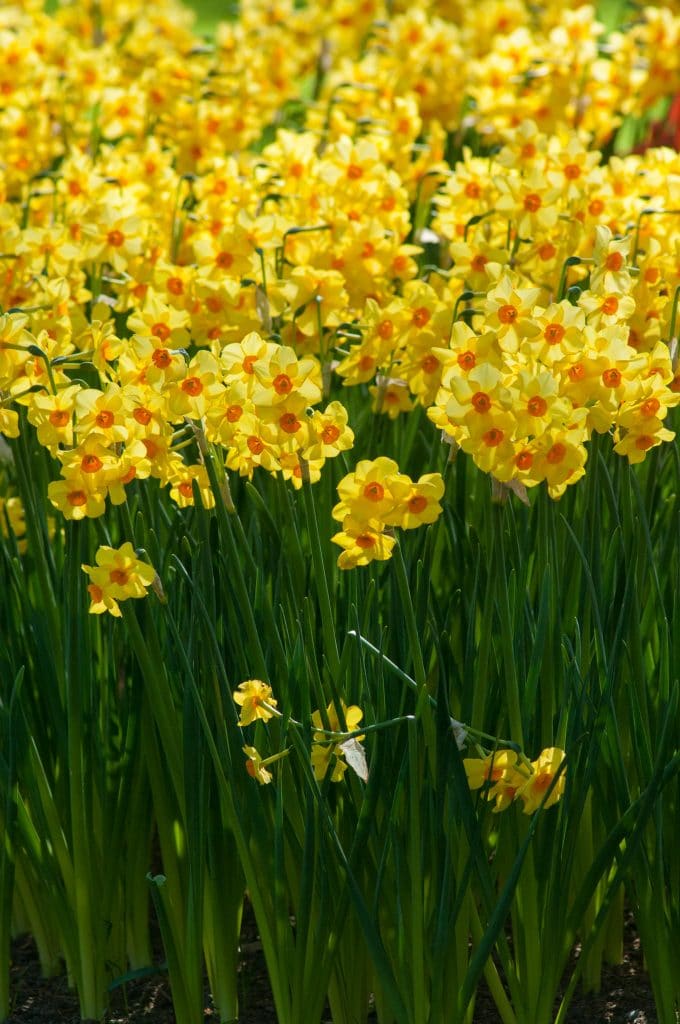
(505, 776)
(168, 287)
(374, 500)
(335, 743)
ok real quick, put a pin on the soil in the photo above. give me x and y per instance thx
(625, 997)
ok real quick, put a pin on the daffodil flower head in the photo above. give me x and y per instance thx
(255, 700)
(118, 575)
(501, 772)
(363, 541)
(255, 766)
(324, 752)
(544, 770)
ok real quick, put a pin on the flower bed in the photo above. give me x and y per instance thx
(339, 502)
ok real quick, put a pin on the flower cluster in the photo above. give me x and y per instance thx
(509, 61)
(170, 286)
(257, 703)
(506, 775)
(374, 499)
(333, 741)
(568, 322)
(250, 397)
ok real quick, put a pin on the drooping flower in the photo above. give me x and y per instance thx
(255, 766)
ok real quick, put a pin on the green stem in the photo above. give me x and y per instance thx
(500, 569)
(417, 956)
(491, 976)
(323, 591)
(235, 558)
(410, 619)
(91, 957)
(7, 821)
(157, 685)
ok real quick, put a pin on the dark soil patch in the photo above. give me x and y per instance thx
(625, 997)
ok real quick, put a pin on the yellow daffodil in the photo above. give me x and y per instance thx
(117, 576)
(544, 770)
(255, 700)
(326, 752)
(255, 766)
